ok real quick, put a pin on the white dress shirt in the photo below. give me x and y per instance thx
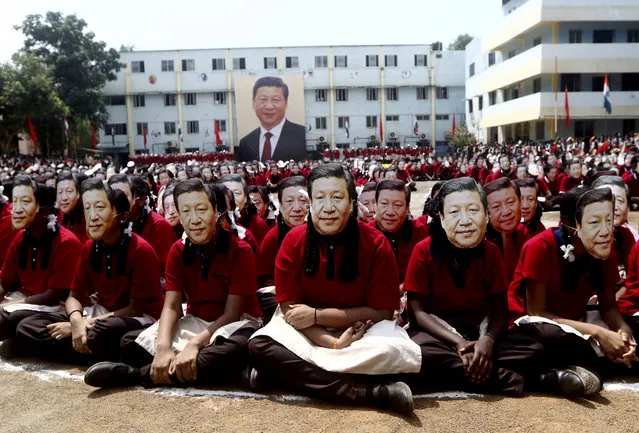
(276, 131)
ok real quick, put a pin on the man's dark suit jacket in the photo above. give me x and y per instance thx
(291, 144)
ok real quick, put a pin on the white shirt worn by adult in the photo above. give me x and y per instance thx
(276, 131)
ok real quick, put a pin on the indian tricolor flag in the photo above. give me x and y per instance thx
(415, 126)
(346, 127)
(606, 94)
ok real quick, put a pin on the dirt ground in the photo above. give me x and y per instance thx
(50, 398)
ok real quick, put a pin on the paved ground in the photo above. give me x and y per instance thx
(52, 398)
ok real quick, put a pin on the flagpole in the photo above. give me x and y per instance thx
(556, 87)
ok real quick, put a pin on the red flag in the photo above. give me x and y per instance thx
(32, 132)
(454, 127)
(567, 109)
(381, 129)
(93, 139)
(218, 140)
(144, 134)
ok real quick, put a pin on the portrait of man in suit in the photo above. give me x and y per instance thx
(276, 138)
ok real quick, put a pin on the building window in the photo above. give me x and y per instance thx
(481, 102)
(218, 64)
(441, 117)
(422, 93)
(540, 130)
(629, 82)
(372, 94)
(188, 65)
(633, 36)
(574, 36)
(117, 128)
(573, 81)
(628, 126)
(470, 105)
(492, 98)
(423, 117)
(190, 99)
(536, 41)
(138, 101)
(115, 100)
(584, 128)
(390, 60)
(392, 94)
(167, 66)
(221, 125)
(292, 62)
(169, 128)
(270, 62)
(371, 121)
(511, 54)
(341, 61)
(392, 118)
(597, 83)
(341, 122)
(170, 99)
(491, 58)
(442, 92)
(141, 127)
(537, 85)
(239, 63)
(471, 70)
(603, 37)
(321, 95)
(321, 61)
(219, 98)
(320, 123)
(193, 127)
(372, 61)
(137, 66)
(421, 60)
(341, 95)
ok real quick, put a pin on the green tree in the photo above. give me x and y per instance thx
(81, 66)
(27, 87)
(460, 43)
(126, 48)
(463, 137)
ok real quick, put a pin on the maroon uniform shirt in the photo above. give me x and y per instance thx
(229, 270)
(139, 279)
(7, 233)
(375, 286)
(629, 302)
(65, 252)
(451, 301)
(568, 183)
(159, 234)
(542, 262)
(511, 251)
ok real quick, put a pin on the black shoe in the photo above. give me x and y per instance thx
(9, 349)
(573, 381)
(111, 375)
(396, 397)
(251, 379)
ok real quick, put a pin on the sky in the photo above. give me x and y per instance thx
(188, 24)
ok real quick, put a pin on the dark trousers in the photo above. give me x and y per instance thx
(219, 363)
(516, 357)
(280, 367)
(103, 338)
(268, 305)
(9, 322)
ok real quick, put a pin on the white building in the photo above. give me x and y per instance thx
(160, 89)
(542, 46)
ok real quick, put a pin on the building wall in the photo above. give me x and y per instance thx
(153, 83)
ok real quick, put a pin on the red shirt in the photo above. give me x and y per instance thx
(65, 251)
(542, 262)
(7, 233)
(158, 232)
(624, 246)
(512, 175)
(232, 272)
(75, 223)
(141, 278)
(550, 185)
(403, 175)
(631, 180)
(568, 183)
(403, 250)
(268, 252)
(485, 276)
(539, 229)
(519, 237)
(375, 286)
(258, 227)
(629, 302)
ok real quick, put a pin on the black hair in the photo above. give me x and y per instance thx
(167, 171)
(249, 210)
(431, 201)
(350, 236)
(499, 184)
(370, 186)
(527, 183)
(121, 178)
(393, 185)
(168, 192)
(288, 182)
(139, 187)
(270, 82)
(612, 181)
(589, 197)
(261, 191)
(193, 185)
(76, 178)
(117, 198)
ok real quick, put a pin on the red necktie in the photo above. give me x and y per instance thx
(266, 152)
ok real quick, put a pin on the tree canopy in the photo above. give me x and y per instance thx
(460, 43)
